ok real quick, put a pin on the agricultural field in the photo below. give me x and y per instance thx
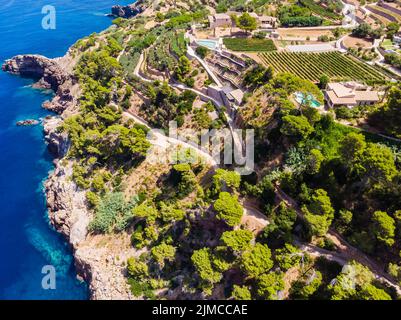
(385, 14)
(312, 66)
(249, 44)
(178, 45)
(160, 57)
(320, 10)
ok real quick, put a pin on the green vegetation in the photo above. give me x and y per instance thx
(246, 22)
(313, 66)
(228, 209)
(113, 213)
(319, 213)
(332, 11)
(388, 117)
(258, 76)
(257, 260)
(249, 44)
(202, 51)
(166, 104)
(392, 29)
(297, 16)
(238, 240)
(355, 283)
(365, 30)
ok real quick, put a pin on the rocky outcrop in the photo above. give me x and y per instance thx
(48, 72)
(101, 262)
(128, 11)
(66, 204)
(27, 122)
(66, 97)
(50, 75)
(57, 142)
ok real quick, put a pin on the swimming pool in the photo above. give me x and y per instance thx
(309, 99)
(211, 44)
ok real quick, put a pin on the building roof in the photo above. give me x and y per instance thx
(367, 96)
(336, 100)
(340, 90)
(237, 95)
(348, 94)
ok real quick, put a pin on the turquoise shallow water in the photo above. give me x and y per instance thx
(27, 242)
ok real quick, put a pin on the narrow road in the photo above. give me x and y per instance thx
(346, 251)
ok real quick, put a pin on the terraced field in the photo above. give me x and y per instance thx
(312, 66)
(384, 13)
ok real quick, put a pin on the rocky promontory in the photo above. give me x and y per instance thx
(49, 74)
(128, 11)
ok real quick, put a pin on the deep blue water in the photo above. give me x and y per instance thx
(27, 242)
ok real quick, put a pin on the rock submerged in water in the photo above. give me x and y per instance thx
(28, 122)
(128, 11)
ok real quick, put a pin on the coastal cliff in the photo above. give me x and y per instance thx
(128, 11)
(95, 255)
(67, 207)
(50, 74)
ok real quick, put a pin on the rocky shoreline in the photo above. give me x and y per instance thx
(66, 203)
(128, 11)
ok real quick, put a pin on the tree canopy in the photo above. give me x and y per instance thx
(228, 209)
(257, 260)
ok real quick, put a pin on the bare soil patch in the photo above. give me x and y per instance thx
(354, 42)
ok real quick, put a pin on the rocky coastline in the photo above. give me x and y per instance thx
(66, 203)
(128, 11)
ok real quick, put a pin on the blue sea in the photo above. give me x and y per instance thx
(27, 242)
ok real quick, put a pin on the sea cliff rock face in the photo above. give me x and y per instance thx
(50, 75)
(99, 259)
(47, 71)
(67, 205)
(128, 11)
(58, 143)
